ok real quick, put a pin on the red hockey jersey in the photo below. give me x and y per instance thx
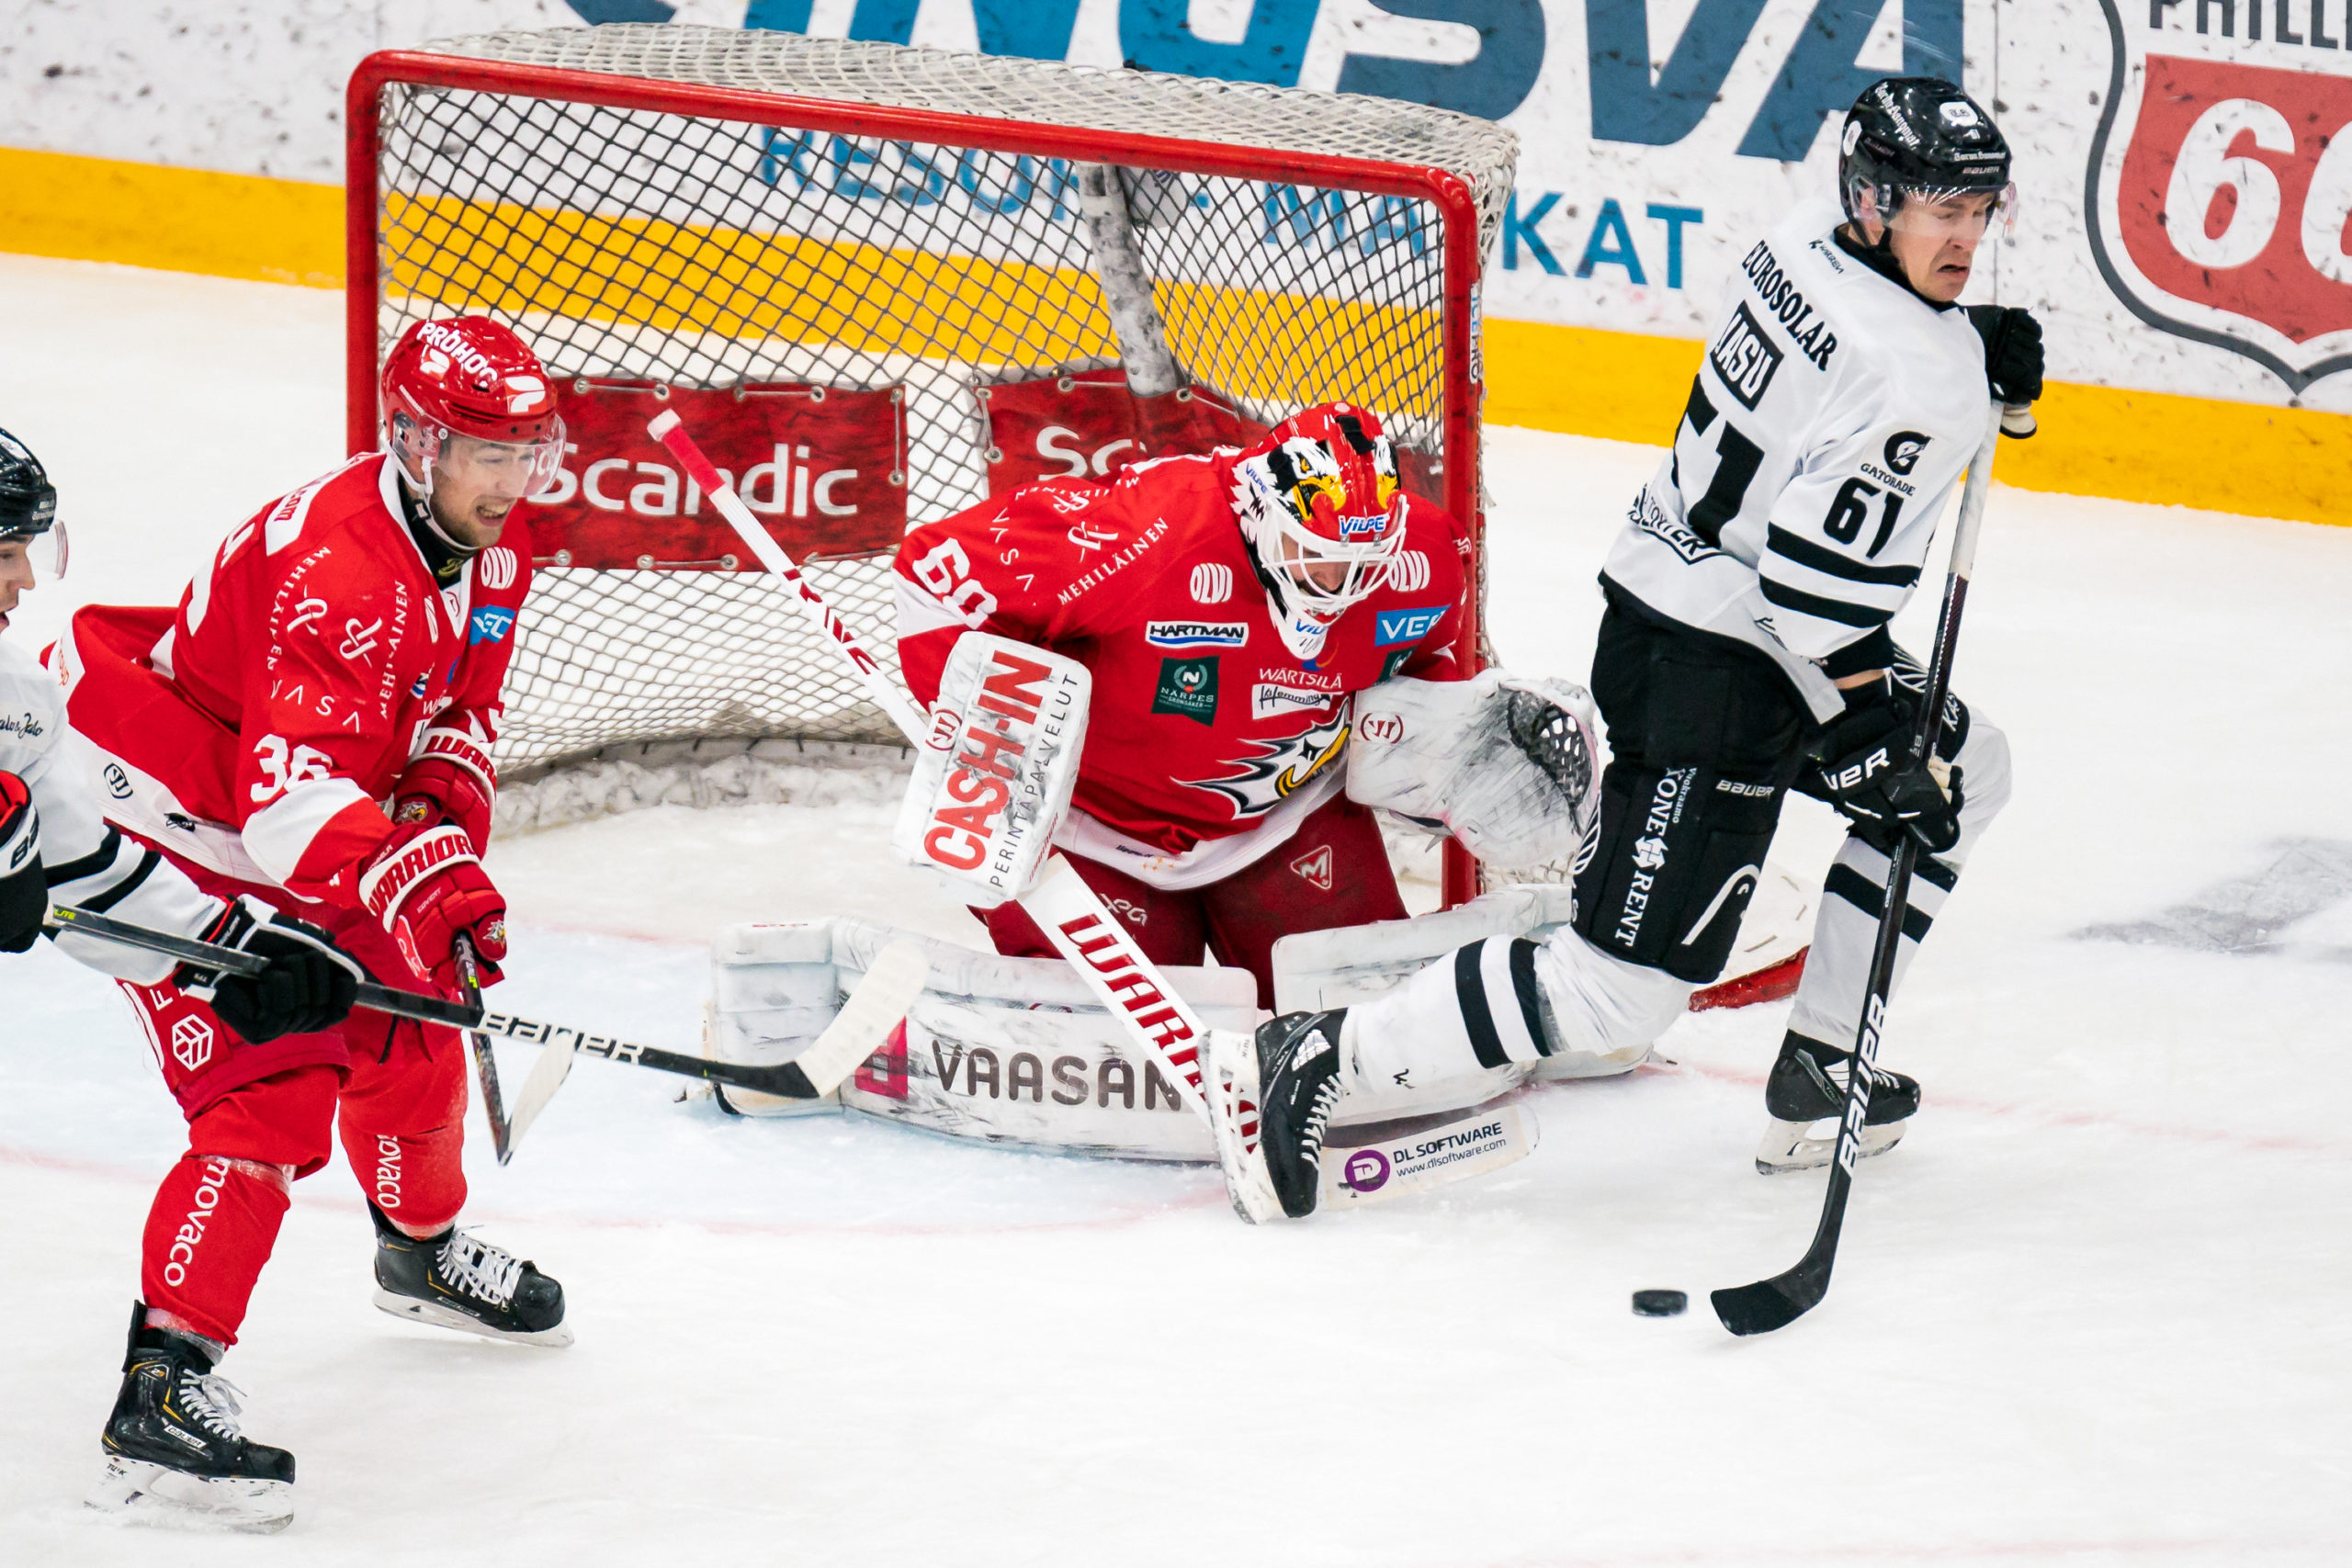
(259, 729)
(1203, 723)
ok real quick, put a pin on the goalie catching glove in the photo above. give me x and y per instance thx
(1508, 765)
(309, 985)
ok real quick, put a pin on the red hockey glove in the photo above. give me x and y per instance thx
(451, 782)
(428, 889)
(24, 890)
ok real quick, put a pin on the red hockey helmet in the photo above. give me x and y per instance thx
(1319, 499)
(471, 380)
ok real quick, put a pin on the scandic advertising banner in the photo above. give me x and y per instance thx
(2185, 183)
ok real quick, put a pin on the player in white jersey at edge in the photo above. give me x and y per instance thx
(1744, 652)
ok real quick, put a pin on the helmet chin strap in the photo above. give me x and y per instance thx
(444, 556)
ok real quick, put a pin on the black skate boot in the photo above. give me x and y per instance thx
(1808, 1086)
(174, 1451)
(1298, 1083)
(457, 1282)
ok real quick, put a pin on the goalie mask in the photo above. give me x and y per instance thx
(1318, 500)
(467, 396)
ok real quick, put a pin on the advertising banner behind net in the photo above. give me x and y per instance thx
(2183, 176)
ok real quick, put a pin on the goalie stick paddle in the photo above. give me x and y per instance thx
(503, 1133)
(1780, 1301)
(788, 1079)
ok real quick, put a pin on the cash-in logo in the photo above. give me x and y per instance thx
(1196, 634)
(1187, 688)
(2218, 188)
(1393, 627)
(1745, 356)
(490, 623)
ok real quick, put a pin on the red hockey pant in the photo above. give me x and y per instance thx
(401, 1108)
(1333, 872)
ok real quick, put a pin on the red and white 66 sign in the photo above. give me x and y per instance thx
(2221, 180)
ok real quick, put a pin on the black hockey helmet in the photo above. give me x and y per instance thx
(1917, 139)
(28, 501)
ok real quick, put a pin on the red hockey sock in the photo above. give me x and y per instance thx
(211, 1229)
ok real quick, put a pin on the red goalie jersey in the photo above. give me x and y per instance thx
(257, 731)
(1206, 725)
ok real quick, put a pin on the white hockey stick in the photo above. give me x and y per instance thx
(1154, 1017)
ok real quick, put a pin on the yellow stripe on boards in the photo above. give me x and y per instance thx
(2145, 447)
(176, 219)
(2142, 446)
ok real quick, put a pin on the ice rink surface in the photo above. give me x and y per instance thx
(2092, 1312)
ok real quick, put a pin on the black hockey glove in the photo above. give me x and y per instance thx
(1862, 764)
(2012, 361)
(24, 892)
(309, 985)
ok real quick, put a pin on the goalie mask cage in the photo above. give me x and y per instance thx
(671, 210)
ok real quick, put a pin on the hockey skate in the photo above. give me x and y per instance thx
(1292, 1071)
(455, 1282)
(1807, 1090)
(174, 1451)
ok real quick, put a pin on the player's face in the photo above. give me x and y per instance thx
(475, 484)
(1935, 240)
(1324, 576)
(15, 575)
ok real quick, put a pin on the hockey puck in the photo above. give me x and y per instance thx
(1659, 1304)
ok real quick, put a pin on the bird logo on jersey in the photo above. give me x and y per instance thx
(1283, 769)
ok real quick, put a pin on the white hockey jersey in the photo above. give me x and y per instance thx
(87, 860)
(1832, 414)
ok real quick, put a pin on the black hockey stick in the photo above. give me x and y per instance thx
(1780, 1301)
(493, 1099)
(789, 1080)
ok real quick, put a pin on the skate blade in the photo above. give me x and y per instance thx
(440, 1316)
(148, 1494)
(1790, 1146)
(1231, 1082)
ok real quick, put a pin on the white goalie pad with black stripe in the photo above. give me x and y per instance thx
(993, 780)
(1508, 765)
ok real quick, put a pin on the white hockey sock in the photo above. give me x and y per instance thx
(1829, 998)
(1504, 1000)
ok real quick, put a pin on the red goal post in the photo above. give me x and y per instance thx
(775, 223)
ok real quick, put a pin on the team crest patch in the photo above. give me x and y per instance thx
(1314, 868)
(490, 623)
(1187, 688)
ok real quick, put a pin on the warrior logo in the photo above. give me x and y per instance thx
(2221, 184)
(1283, 767)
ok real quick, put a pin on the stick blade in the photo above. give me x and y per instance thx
(547, 1075)
(890, 988)
(1770, 1303)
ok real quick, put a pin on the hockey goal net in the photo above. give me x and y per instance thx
(880, 284)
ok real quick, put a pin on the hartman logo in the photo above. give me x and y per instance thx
(1196, 634)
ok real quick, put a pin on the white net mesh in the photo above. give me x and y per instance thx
(640, 244)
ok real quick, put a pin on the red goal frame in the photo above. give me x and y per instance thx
(1460, 388)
